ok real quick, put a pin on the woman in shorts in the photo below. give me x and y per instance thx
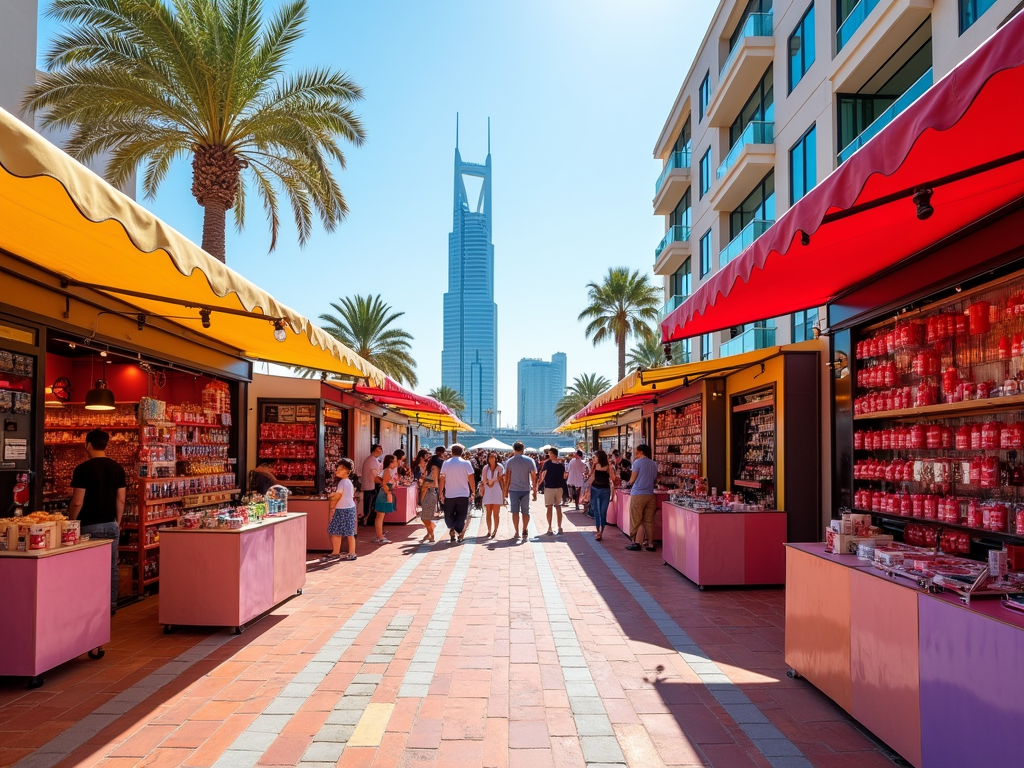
(343, 520)
(428, 498)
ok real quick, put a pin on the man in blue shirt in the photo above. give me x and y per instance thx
(642, 501)
(520, 478)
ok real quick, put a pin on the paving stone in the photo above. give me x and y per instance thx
(601, 749)
(324, 751)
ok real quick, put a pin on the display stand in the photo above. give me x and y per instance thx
(318, 516)
(622, 512)
(405, 505)
(612, 517)
(226, 578)
(56, 607)
(725, 548)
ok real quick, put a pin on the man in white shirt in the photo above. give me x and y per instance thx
(369, 481)
(458, 485)
(577, 477)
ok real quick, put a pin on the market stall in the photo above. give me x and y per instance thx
(406, 505)
(42, 628)
(914, 626)
(227, 576)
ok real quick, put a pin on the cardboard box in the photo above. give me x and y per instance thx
(841, 544)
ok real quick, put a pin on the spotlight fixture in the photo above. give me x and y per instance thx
(279, 332)
(72, 345)
(958, 289)
(805, 239)
(103, 353)
(99, 398)
(667, 349)
(204, 315)
(923, 200)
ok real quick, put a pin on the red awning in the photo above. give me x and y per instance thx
(393, 393)
(973, 116)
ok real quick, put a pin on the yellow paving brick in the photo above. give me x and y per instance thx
(370, 729)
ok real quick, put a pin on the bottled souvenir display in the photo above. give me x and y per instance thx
(939, 418)
(753, 417)
(289, 435)
(677, 443)
(335, 443)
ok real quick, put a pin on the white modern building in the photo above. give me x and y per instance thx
(779, 94)
(541, 385)
(19, 25)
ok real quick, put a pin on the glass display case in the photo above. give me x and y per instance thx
(754, 446)
(678, 435)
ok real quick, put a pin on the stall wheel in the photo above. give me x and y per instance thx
(169, 629)
(97, 653)
(237, 630)
(794, 675)
(35, 682)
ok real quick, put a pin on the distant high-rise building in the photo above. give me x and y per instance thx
(541, 386)
(469, 359)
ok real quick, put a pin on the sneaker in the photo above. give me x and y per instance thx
(385, 540)
(634, 548)
(348, 557)
(329, 558)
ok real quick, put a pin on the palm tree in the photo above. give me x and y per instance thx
(362, 324)
(623, 304)
(583, 389)
(152, 81)
(646, 354)
(449, 396)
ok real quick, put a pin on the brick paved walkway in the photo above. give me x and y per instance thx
(558, 652)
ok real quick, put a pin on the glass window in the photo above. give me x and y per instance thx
(705, 253)
(760, 107)
(704, 97)
(801, 48)
(803, 324)
(760, 204)
(681, 214)
(971, 11)
(706, 348)
(753, 6)
(683, 139)
(705, 173)
(803, 172)
(685, 351)
(680, 281)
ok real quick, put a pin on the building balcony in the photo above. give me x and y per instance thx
(909, 97)
(671, 305)
(750, 340)
(750, 158)
(673, 250)
(869, 35)
(743, 68)
(672, 182)
(743, 240)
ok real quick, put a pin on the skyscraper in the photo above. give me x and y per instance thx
(469, 359)
(541, 385)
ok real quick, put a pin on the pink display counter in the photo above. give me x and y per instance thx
(318, 515)
(405, 505)
(612, 516)
(56, 607)
(226, 578)
(621, 501)
(717, 549)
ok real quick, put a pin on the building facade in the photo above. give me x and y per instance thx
(469, 358)
(780, 93)
(541, 384)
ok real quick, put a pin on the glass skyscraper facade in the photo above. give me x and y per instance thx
(469, 359)
(541, 386)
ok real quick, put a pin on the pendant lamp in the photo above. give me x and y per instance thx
(99, 398)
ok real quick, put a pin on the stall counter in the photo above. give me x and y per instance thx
(226, 577)
(56, 606)
(723, 548)
(318, 515)
(621, 500)
(405, 505)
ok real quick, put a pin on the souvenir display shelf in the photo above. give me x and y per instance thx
(678, 435)
(754, 446)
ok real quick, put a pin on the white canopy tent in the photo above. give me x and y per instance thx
(494, 444)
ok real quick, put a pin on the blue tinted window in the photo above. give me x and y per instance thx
(705, 253)
(705, 347)
(803, 324)
(801, 48)
(803, 173)
(971, 11)
(704, 97)
(705, 172)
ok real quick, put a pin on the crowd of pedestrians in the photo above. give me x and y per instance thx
(449, 482)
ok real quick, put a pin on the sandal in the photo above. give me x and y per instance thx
(330, 558)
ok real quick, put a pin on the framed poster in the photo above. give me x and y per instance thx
(270, 413)
(286, 413)
(305, 413)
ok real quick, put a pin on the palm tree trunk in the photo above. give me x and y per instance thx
(214, 224)
(621, 343)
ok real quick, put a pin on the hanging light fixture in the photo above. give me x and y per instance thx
(279, 331)
(99, 398)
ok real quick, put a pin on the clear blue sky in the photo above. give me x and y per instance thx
(577, 92)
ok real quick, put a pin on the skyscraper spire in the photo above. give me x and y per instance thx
(488, 135)
(457, 131)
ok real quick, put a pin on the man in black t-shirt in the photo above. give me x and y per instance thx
(98, 499)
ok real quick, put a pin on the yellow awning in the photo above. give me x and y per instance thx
(630, 392)
(58, 215)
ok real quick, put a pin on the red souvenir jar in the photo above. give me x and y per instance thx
(997, 518)
(905, 506)
(917, 437)
(858, 441)
(975, 437)
(947, 438)
(974, 515)
(917, 504)
(886, 440)
(933, 437)
(876, 501)
(975, 476)
(950, 380)
(963, 438)
(1004, 348)
(931, 507)
(990, 432)
(1020, 522)
(990, 472)
(908, 471)
(978, 313)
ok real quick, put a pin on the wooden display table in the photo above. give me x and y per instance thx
(56, 606)
(226, 578)
(723, 548)
(405, 505)
(621, 499)
(318, 515)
